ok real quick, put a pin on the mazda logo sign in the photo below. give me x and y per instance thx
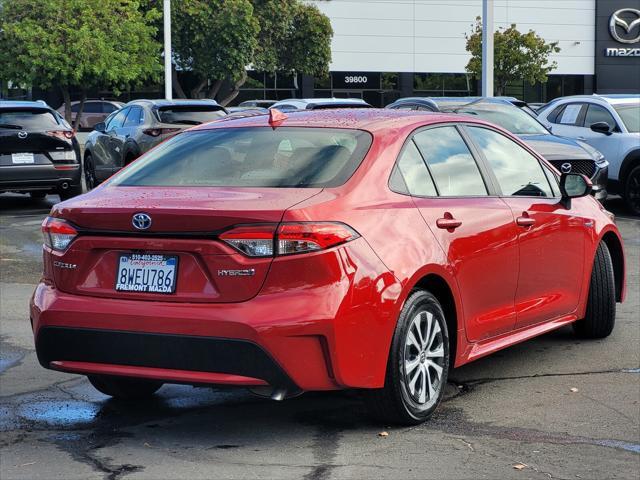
(141, 221)
(22, 134)
(565, 168)
(618, 24)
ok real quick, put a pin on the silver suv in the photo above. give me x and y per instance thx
(609, 123)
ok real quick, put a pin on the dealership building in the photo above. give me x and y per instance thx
(386, 49)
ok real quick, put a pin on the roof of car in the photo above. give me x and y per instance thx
(163, 102)
(613, 99)
(370, 119)
(23, 104)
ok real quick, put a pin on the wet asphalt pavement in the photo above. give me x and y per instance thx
(511, 415)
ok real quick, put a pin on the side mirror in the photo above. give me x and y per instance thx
(99, 127)
(601, 127)
(574, 185)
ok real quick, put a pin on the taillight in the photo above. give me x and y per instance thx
(288, 239)
(62, 134)
(58, 234)
(156, 132)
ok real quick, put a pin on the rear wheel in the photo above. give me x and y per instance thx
(418, 364)
(632, 190)
(601, 304)
(124, 388)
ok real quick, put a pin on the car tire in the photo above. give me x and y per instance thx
(412, 390)
(600, 317)
(70, 192)
(37, 195)
(124, 388)
(632, 190)
(90, 173)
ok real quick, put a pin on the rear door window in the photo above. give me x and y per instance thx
(134, 118)
(252, 157)
(92, 107)
(410, 174)
(518, 172)
(118, 119)
(25, 119)
(450, 162)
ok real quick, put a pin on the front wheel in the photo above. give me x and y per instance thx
(418, 364)
(89, 173)
(632, 190)
(601, 304)
(124, 388)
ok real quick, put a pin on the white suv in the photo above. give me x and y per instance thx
(609, 123)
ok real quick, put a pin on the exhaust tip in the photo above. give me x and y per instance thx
(64, 185)
(273, 393)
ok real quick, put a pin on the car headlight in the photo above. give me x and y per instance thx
(595, 154)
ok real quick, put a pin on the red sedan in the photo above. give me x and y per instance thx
(370, 249)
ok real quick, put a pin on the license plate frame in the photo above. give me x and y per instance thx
(24, 158)
(145, 262)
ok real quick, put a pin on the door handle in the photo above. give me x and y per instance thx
(448, 222)
(525, 220)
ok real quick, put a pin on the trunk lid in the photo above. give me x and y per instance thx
(185, 223)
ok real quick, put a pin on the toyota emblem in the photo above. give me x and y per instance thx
(625, 33)
(141, 221)
(565, 168)
(22, 134)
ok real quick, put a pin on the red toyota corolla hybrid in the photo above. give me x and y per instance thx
(369, 249)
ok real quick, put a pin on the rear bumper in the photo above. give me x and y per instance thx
(39, 177)
(328, 331)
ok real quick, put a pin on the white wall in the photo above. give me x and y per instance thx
(428, 35)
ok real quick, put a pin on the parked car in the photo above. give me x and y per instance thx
(320, 251)
(293, 104)
(609, 123)
(257, 103)
(94, 111)
(39, 153)
(566, 154)
(243, 110)
(139, 126)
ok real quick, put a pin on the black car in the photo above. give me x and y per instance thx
(136, 128)
(566, 154)
(39, 152)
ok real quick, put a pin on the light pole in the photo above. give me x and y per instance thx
(168, 88)
(487, 48)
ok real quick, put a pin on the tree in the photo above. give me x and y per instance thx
(517, 56)
(214, 40)
(77, 44)
(217, 40)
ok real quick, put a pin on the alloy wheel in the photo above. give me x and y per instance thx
(633, 190)
(89, 174)
(424, 358)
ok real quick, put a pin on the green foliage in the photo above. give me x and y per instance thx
(517, 56)
(214, 39)
(77, 43)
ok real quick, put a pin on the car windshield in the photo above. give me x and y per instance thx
(190, 115)
(28, 119)
(509, 117)
(630, 115)
(252, 157)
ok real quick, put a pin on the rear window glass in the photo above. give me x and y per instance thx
(28, 119)
(191, 115)
(252, 157)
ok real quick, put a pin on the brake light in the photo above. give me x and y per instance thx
(57, 233)
(156, 132)
(62, 134)
(288, 239)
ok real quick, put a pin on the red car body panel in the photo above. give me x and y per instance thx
(326, 318)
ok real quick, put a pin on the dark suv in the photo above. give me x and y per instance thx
(139, 126)
(39, 153)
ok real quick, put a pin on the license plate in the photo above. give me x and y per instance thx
(22, 158)
(147, 273)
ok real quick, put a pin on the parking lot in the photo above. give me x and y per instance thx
(555, 407)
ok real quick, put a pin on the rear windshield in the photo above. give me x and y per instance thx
(252, 157)
(190, 115)
(28, 119)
